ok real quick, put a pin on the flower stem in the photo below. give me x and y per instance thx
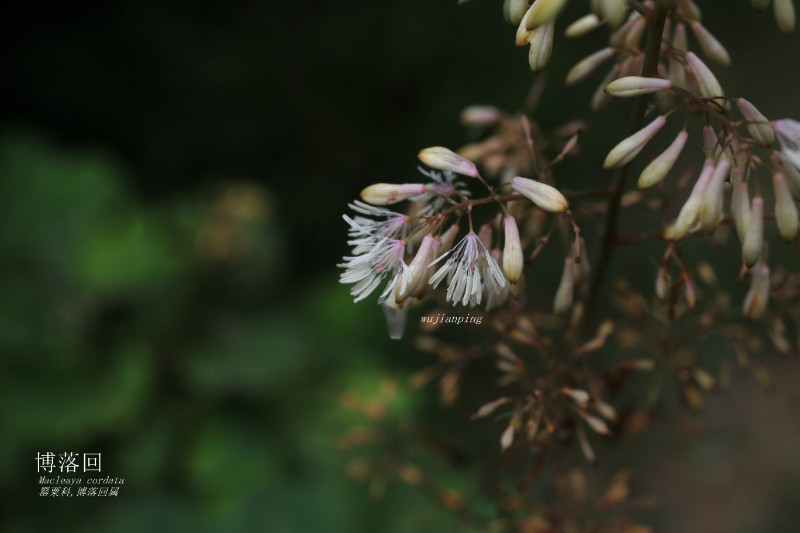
(649, 69)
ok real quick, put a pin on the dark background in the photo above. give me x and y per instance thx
(172, 176)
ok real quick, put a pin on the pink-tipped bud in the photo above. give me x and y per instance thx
(587, 65)
(706, 81)
(785, 16)
(710, 44)
(630, 86)
(755, 303)
(544, 11)
(785, 209)
(512, 251)
(563, 298)
(658, 169)
(541, 41)
(485, 236)
(629, 148)
(583, 25)
(754, 234)
(391, 193)
(442, 158)
(758, 126)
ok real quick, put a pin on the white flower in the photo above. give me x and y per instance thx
(364, 230)
(368, 269)
(444, 186)
(469, 266)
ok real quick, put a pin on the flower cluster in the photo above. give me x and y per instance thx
(415, 251)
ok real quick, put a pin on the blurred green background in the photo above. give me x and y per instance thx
(172, 176)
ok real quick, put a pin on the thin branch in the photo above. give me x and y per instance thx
(651, 59)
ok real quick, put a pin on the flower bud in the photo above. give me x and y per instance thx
(710, 209)
(663, 284)
(512, 251)
(480, 115)
(636, 85)
(581, 269)
(448, 238)
(544, 11)
(790, 173)
(711, 144)
(583, 25)
(785, 208)
(688, 216)
(629, 148)
(707, 83)
(710, 45)
(587, 65)
(420, 273)
(614, 11)
(391, 193)
(755, 303)
(757, 124)
(517, 10)
(541, 40)
(754, 234)
(485, 236)
(689, 10)
(740, 205)
(785, 16)
(541, 194)
(690, 291)
(563, 298)
(657, 170)
(442, 158)
(600, 98)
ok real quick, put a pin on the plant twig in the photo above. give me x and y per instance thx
(651, 58)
